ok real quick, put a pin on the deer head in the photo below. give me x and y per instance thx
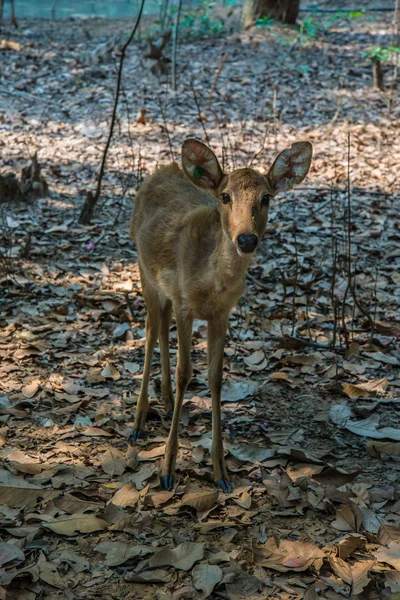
(245, 194)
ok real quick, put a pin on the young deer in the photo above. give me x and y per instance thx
(195, 232)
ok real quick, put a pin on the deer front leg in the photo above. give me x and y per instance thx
(152, 331)
(184, 324)
(216, 332)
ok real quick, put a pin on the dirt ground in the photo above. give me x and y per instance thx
(312, 427)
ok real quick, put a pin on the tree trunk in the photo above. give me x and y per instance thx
(378, 75)
(283, 10)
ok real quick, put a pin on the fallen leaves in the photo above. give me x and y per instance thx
(205, 578)
(113, 462)
(390, 555)
(306, 470)
(183, 557)
(72, 524)
(201, 501)
(370, 388)
(284, 555)
(355, 575)
(118, 553)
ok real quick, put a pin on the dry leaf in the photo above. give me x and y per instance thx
(152, 454)
(249, 453)
(10, 553)
(288, 556)
(205, 577)
(375, 449)
(30, 390)
(390, 555)
(182, 557)
(128, 495)
(156, 576)
(201, 501)
(118, 553)
(72, 524)
(111, 372)
(348, 518)
(113, 462)
(369, 428)
(369, 388)
(233, 391)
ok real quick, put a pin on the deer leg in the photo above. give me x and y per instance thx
(166, 385)
(216, 332)
(152, 329)
(184, 324)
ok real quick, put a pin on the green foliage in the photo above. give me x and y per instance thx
(377, 53)
(264, 22)
(309, 30)
(201, 21)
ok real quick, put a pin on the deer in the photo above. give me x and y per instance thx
(196, 229)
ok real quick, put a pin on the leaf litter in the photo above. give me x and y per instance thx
(311, 434)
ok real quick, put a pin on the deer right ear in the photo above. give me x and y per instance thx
(200, 165)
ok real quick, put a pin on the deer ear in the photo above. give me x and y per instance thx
(290, 167)
(200, 165)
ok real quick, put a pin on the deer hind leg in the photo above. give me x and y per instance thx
(152, 301)
(166, 385)
(216, 332)
(184, 324)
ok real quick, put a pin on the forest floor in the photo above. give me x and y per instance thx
(312, 428)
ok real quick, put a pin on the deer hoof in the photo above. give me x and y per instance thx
(138, 434)
(167, 482)
(225, 485)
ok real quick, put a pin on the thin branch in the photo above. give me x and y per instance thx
(217, 75)
(175, 44)
(295, 286)
(164, 116)
(199, 113)
(90, 202)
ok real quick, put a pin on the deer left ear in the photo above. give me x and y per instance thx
(290, 167)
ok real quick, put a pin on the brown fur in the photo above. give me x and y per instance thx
(189, 261)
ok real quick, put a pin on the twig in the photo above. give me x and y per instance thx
(130, 306)
(91, 199)
(295, 286)
(164, 116)
(348, 204)
(311, 344)
(217, 76)
(259, 284)
(261, 150)
(333, 297)
(199, 112)
(339, 98)
(224, 147)
(347, 10)
(275, 121)
(175, 44)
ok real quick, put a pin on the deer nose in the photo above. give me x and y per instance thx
(247, 242)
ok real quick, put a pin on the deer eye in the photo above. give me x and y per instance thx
(225, 198)
(265, 200)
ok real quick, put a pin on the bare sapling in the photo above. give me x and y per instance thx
(196, 229)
